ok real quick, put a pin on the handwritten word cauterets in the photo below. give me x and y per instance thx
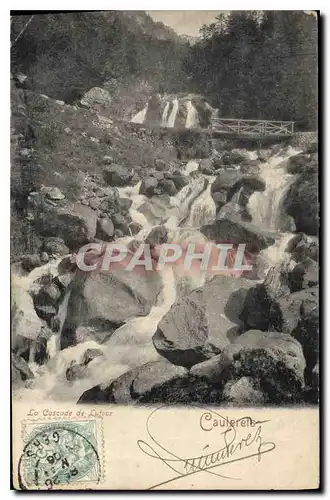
(208, 422)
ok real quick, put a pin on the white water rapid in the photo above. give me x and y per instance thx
(192, 116)
(172, 117)
(265, 207)
(131, 345)
(140, 116)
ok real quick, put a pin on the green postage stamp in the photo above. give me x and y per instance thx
(57, 454)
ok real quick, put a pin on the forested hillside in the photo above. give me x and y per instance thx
(259, 64)
(64, 55)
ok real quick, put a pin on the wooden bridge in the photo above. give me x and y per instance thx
(250, 128)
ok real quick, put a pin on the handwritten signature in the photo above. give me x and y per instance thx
(232, 448)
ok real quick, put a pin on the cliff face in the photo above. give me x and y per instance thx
(64, 55)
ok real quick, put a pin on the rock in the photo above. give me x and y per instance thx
(301, 202)
(105, 229)
(20, 369)
(228, 182)
(161, 165)
(25, 324)
(304, 275)
(46, 312)
(250, 167)
(124, 204)
(63, 281)
(78, 370)
(120, 222)
(302, 247)
(75, 371)
(302, 162)
(91, 354)
(199, 325)
(134, 384)
(167, 187)
(206, 166)
(74, 223)
(48, 295)
(95, 203)
(148, 186)
(103, 301)
(233, 230)
(117, 175)
(55, 246)
(312, 148)
(272, 362)
(243, 392)
(288, 311)
(107, 160)
(180, 181)
(256, 309)
(135, 228)
(98, 99)
(53, 193)
(30, 262)
(234, 157)
(44, 257)
(157, 175)
(157, 236)
(66, 266)
(118, 234)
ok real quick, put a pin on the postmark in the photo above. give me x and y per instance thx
(59, 455)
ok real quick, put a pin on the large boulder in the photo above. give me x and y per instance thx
(302, 162)
(232, 229)
(105, 229)
(298, 315)
(117, 175)
(302, 246)
(98, 99)
(301, 202)
(103, 301)
(304, 275)
(31, 261)
(134, 384)
(167, 186)
(148, 186)
(273, 363)
(74, 223)
(200, 325)
(20, 370)
(55, 246)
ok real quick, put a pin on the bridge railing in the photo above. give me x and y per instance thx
(251, 127)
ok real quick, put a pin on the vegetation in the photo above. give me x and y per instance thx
(259, 64)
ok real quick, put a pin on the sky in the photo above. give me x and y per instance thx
(184, 22)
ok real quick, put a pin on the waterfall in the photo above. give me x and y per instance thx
(172, 117)
(203, 209)
(140, 116)
(265, 206)
(192, 116)
(191, 166)
(164, 115)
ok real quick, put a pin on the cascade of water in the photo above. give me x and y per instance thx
(164, 115)
(191, 166)
(192, 116)
(265, 206)
(203, 209)
(172, 117)
(140, 116)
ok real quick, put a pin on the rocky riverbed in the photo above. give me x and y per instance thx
(129, 338)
